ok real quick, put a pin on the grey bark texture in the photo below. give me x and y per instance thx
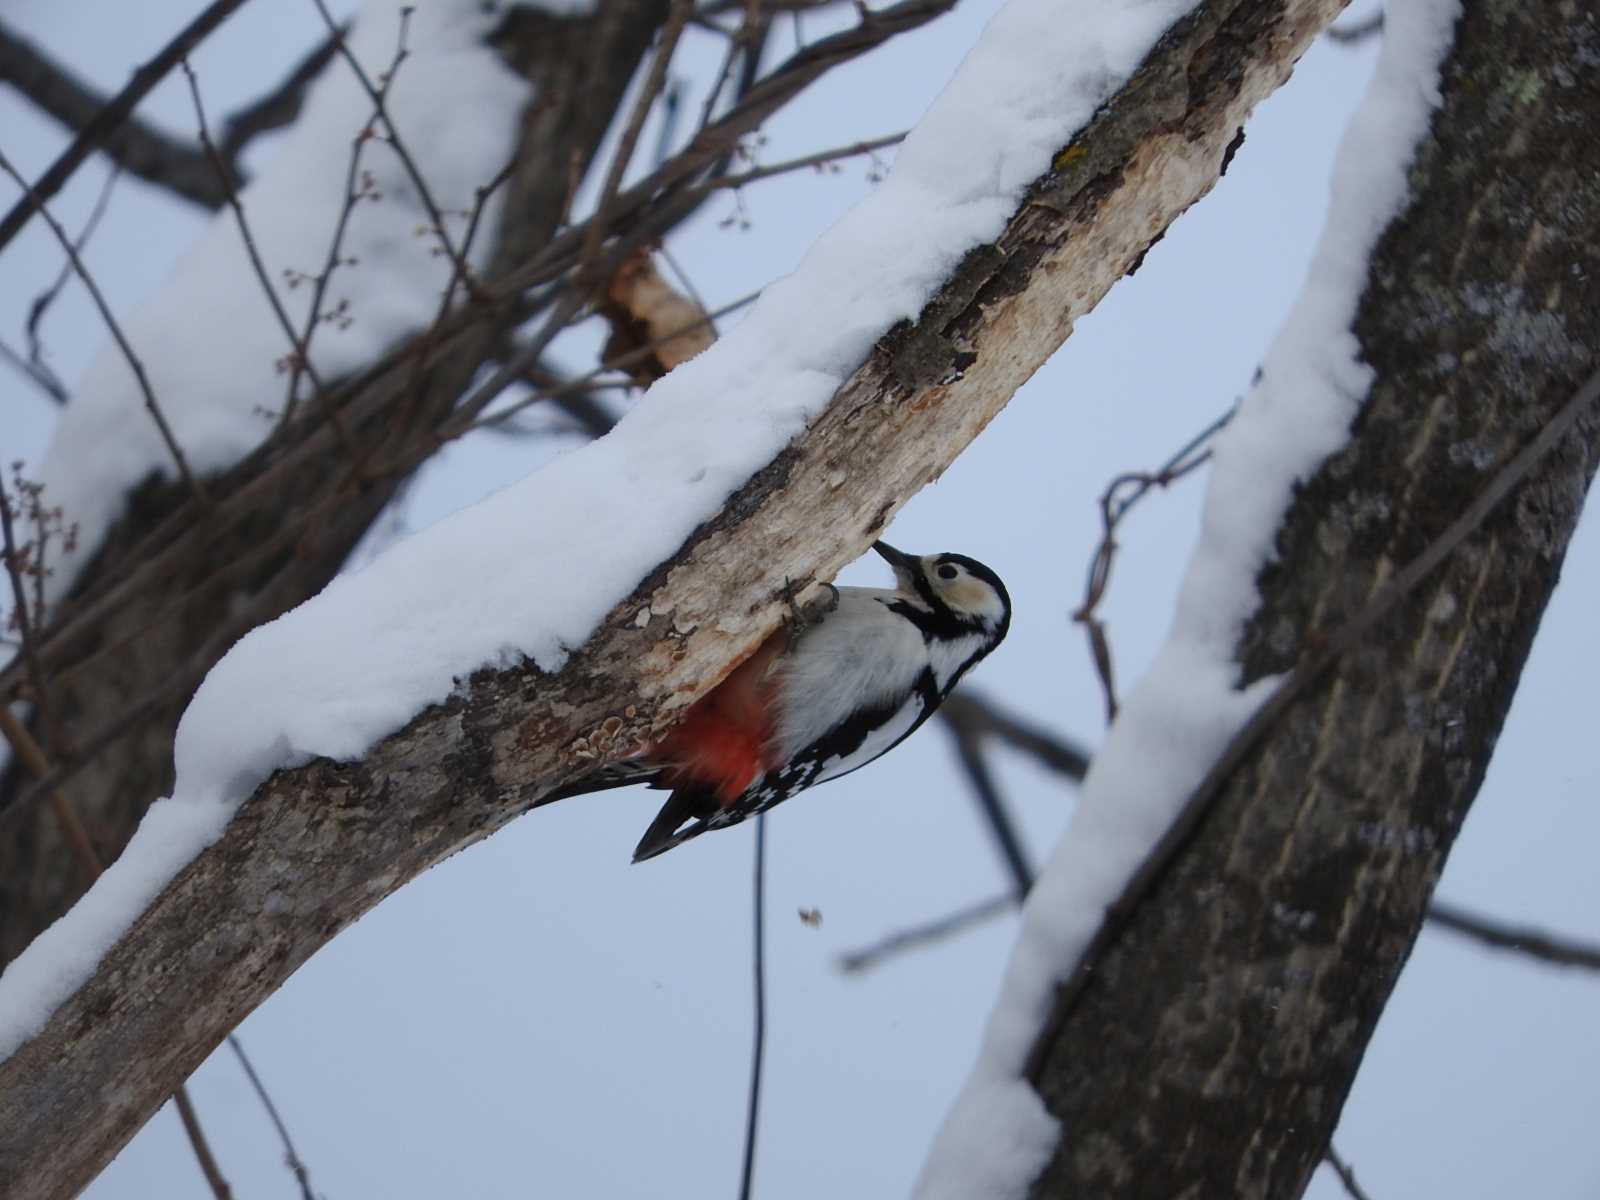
(1213, 1046)
(255, 554)
(317, 846)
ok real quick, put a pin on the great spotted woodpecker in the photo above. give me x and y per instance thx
(824, 697)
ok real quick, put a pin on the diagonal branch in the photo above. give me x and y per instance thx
(112, 116)
(1535, 943)
(139, 148)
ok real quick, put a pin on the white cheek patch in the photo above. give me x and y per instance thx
(969, 595)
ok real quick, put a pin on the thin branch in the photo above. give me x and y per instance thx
(996, 815)
(113, 115)
(40, 375)
(759, 969)
(202, 1148)
(620, 158)
(31, 756)
(820, 158)
(1324, 653)
(717, 8)
(748, 40)
(291, 1157)
(1115, 504)
(973, 711)
(1534, 943)
(379, 97)
(279, 107)
(31, 197)
(300, 346)
(916, 937)
(144, 150)
(42, 302)
(20, 614)
(1341, 1168)
(525, 359)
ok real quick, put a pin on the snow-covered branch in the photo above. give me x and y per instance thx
(418, 705)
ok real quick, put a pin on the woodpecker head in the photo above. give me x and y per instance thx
(964, 596)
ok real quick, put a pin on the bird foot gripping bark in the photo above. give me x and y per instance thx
(802, 616)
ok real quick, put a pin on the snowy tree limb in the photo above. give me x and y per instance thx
(1213, 1043)
(318, 845)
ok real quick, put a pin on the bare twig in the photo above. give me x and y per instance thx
(1341, 1168)
(973, 711)
(717, 8)
(653, 83)
(1120, 496)
(38, 374)
(30, 755)
(20, 614)
(42, 302)
(112, 116)
(471, 416)
(970, 751)
(299, 350)
(748, 40)
(1324, 652)
(291, 1157)
(116, 331)
(917, 936)
(354, 190)
(143, 149)
(1535, 943)
(280, 106)
(202, 1148)
(379, 97)
(820, 158)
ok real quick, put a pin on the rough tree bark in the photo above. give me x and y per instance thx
(241, 568)
(317, 846)
(1213, 1047)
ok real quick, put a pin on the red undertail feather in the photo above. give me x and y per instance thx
(724, 741)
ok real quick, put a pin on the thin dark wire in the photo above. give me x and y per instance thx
(759, 1052)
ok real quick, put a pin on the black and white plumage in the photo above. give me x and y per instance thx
(817, 702)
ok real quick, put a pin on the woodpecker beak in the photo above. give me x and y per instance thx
(905, 565)
(895, 558)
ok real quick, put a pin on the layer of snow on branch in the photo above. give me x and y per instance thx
(208, 338)
(532, 570)
(1178, 720)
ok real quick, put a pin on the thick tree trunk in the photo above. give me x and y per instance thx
(318, 845)
(1214, 1045)
(237, 571)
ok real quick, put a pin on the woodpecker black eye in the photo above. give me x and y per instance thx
(948, 572)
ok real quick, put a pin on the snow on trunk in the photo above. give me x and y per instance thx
(1183, 713)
